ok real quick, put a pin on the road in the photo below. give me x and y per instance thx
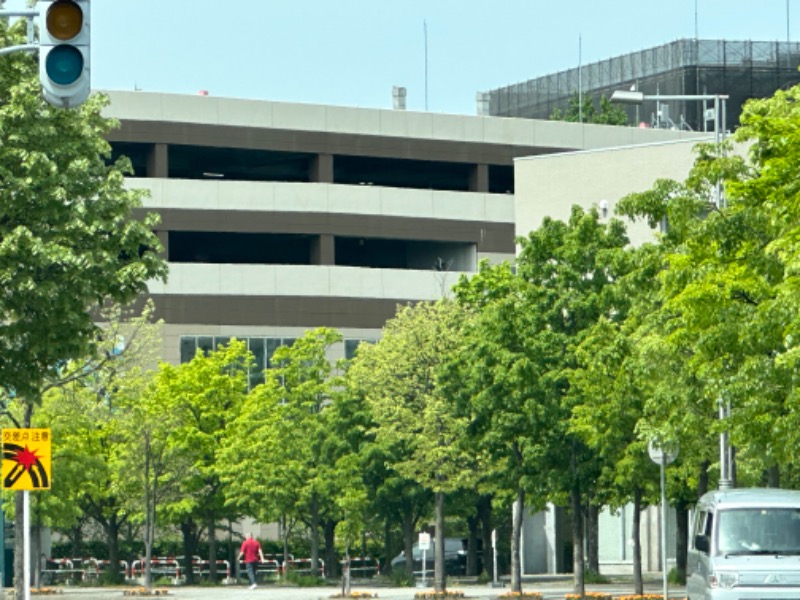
(552, 588)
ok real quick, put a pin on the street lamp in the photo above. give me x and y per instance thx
(720, 103)
(720, 106)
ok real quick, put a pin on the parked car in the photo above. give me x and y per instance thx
(455, 558)
(746, 544)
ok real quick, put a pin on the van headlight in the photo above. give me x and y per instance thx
(724, 579)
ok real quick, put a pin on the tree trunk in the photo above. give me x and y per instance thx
(148, 557)
(517, 510)
(773, 477)
(681, 538)
(112, 535)
(577, 540)
(636, 535)
(593, 538)
(36, 555)
(439, 575)
(149, 526)
(212, 548)
(314, 510)
(386, 567)
(702, 483)
(331, 560)
(189, 533)
(285, 543)
(409, 524)
(472, 546)
(485, 513)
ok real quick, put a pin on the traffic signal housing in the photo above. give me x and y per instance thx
(64, 36)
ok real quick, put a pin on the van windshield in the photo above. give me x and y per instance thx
(759, 531)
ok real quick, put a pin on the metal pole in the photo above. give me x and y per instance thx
(664, 522)
(724, 465)
(580, 83)
(494, 555)
(26, 544)
(718, 187)
(425, 32)
(2, 550)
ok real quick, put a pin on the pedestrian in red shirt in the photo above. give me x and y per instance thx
(251, 551)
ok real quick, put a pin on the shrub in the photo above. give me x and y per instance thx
(676, 576)
(399, 578)
(303, 580)
(594, 577)
(446, 595)
(590, 596)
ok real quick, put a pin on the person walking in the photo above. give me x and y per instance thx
(252, 553)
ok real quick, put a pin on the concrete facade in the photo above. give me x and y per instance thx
(226, 172)
(548, 186)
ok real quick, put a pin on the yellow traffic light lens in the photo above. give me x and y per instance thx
(64, 20)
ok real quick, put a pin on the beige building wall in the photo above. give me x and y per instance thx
(549, 185)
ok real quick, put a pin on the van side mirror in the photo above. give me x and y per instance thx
(701, 543)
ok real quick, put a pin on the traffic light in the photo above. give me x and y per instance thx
(64, 51)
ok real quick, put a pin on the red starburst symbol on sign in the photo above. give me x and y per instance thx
(27, 458)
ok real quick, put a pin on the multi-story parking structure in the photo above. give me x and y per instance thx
(280, 217)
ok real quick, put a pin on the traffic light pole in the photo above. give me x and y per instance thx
(30, 46)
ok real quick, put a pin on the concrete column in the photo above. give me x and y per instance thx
(323, 250)
(479, 179)
(163, 237)
(321, 169)
(158, 161)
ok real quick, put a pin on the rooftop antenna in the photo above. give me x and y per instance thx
(580, 83)
(425, 35)
(695, 19)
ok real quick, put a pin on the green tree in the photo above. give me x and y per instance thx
(152, 467)
(587, 112)
(281, 440)
(501, 374)
(393, 497)
(203, 396)
(88, 417)
(570, 270)
(400, 378)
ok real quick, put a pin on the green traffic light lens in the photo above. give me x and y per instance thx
(64, 20)
(64, 65)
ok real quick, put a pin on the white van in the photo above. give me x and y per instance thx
(745, 546)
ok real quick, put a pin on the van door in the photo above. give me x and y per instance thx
(697, 560)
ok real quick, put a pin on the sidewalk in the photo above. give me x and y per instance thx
(552, 587)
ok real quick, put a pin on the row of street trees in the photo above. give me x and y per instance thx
(536, 382)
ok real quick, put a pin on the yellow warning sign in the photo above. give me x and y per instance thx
(26, 459)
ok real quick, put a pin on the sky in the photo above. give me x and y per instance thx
(352, 52)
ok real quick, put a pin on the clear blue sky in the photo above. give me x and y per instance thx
(351, 52)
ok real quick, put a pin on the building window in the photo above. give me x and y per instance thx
(351, 346)
(262, 349)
